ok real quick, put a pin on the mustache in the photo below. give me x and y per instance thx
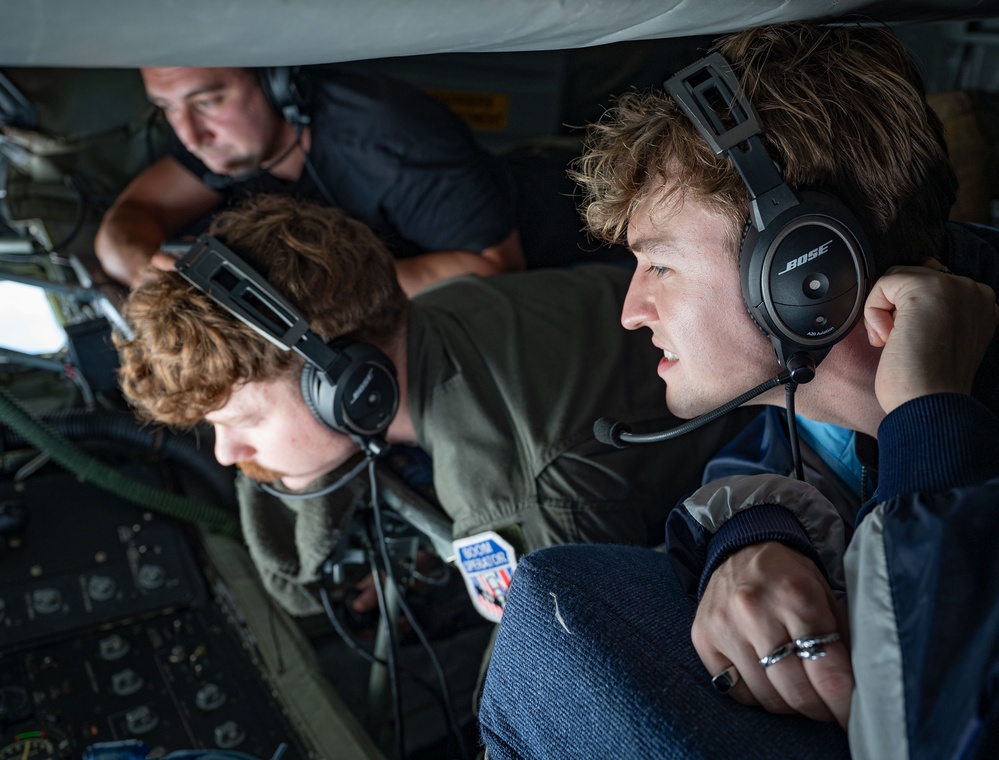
(254, 471)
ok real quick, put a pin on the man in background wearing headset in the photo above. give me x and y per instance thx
(498, 380)
(904, 402)
(381, 151)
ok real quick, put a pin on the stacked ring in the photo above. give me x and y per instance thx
(811, 647)
(810, 642)
(778, 654)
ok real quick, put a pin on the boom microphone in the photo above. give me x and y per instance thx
(801, 369)
(609, 432)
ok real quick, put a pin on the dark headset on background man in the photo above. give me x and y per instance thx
(804, 260)
(289, 92)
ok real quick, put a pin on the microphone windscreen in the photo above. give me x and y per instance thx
(609, 431)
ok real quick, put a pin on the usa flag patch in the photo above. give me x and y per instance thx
(486, 563)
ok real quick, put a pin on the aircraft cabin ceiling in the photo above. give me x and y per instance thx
(126, 33)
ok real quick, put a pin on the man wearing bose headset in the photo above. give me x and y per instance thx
(863, 592)
(285, 328)
(381, 151)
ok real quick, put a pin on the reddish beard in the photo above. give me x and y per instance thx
(254, 471)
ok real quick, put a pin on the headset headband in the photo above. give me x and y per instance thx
(711, 96)
(215, 269)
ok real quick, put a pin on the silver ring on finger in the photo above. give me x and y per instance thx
(812, 647)
(816, 639)
(812, 653)
(778, 654)
(725, 680)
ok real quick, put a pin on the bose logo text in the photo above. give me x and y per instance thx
(363, 386)
(812, 254)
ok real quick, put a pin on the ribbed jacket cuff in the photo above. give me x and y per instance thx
(766, 522)
(936, 442)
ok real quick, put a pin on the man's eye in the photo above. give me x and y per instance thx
(207, 104)
(658, 271)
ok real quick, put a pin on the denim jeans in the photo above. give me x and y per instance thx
(593, 659)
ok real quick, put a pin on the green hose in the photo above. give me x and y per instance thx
(65, 453)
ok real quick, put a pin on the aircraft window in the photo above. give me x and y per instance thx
(27, 322)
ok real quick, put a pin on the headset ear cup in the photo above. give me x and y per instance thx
(747, 249)
(319, 396)
(367, 391)
(283, 88)
(808, 275)
(269, 77)
(364, 397)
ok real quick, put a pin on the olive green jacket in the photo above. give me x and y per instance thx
(506, 376)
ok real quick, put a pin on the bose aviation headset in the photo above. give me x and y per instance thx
(805, 262)
(350, 386)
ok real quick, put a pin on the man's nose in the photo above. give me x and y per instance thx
(229, 449)
(639, 307)
(189, 128)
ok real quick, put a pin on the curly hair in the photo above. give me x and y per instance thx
(844, 112)
(187, 353)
